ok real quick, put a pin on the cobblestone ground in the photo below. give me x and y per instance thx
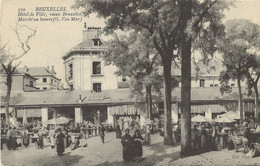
(110, 154)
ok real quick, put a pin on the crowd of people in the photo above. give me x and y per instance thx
(42, 135)
(204, 136)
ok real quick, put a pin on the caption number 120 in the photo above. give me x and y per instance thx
(21, 9)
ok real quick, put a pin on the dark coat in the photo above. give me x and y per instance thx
(60, 143)
(127, 147)
(118, 131)
(137, 146)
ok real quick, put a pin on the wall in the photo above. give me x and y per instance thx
(40, 84)
(212, 80)
(82, 73)
(27, 86)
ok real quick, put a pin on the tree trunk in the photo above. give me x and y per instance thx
(168, 136)
(185, 80)
(240, 104)
(149, 104)
(256, 101)
(7, 98)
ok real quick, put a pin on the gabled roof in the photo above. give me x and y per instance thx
(40, 71)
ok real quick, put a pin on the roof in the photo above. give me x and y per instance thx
(113, 97)
(40, 71)
(87, 45)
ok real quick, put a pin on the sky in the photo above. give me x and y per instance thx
(54, 39)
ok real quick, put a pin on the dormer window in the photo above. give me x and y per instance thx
(97, 42)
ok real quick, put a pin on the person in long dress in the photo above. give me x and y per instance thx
(52, 137)
(127, 146)
(40, 139)
(60, 142)
(26, 140)
(102, 133)
(125, 124)
(120, 123)
(148, 135)
(13, 142)
(137, 146)
(118, 131)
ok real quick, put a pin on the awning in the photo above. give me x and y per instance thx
(204, 108)
(124, 110)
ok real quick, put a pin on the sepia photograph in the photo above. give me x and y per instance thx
(130, 82)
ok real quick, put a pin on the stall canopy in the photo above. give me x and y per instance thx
(231, 115)
(56, 121)
(199, 118)
(124, 110)
(224, 119)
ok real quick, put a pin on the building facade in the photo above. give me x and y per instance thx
(46, 78)
(84, 65)
(22, 81)
(203, 76)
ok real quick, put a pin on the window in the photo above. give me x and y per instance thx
(96, 67)
(31, 83)
(211, 85)
(123, 78)
(44, 79)
(232, 84)
(70, 71)
(97, 87)
(202, 83)
(44, 88)
(51, 82)
(216, 85)
(71, 86)
(96, 42)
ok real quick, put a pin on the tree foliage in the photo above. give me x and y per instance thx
(236, 49)
(135, 58)
(167, 26)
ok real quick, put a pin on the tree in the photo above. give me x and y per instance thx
(240, 38)
(171, 29)
(9, 63)
(135, 58)
(252, 77)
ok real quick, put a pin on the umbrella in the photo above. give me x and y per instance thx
(199, 118)
(64, 119)
(234, 116)
(24, 117)
(231, 115)
(224, 119)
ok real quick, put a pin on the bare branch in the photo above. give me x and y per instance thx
(4, 46)
(24, 45)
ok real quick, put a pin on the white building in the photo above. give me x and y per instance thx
(46, 77)
(85, 68)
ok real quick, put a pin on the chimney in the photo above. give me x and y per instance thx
(52, 67)
(91, 33)
(25, 69)
(48, 67)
